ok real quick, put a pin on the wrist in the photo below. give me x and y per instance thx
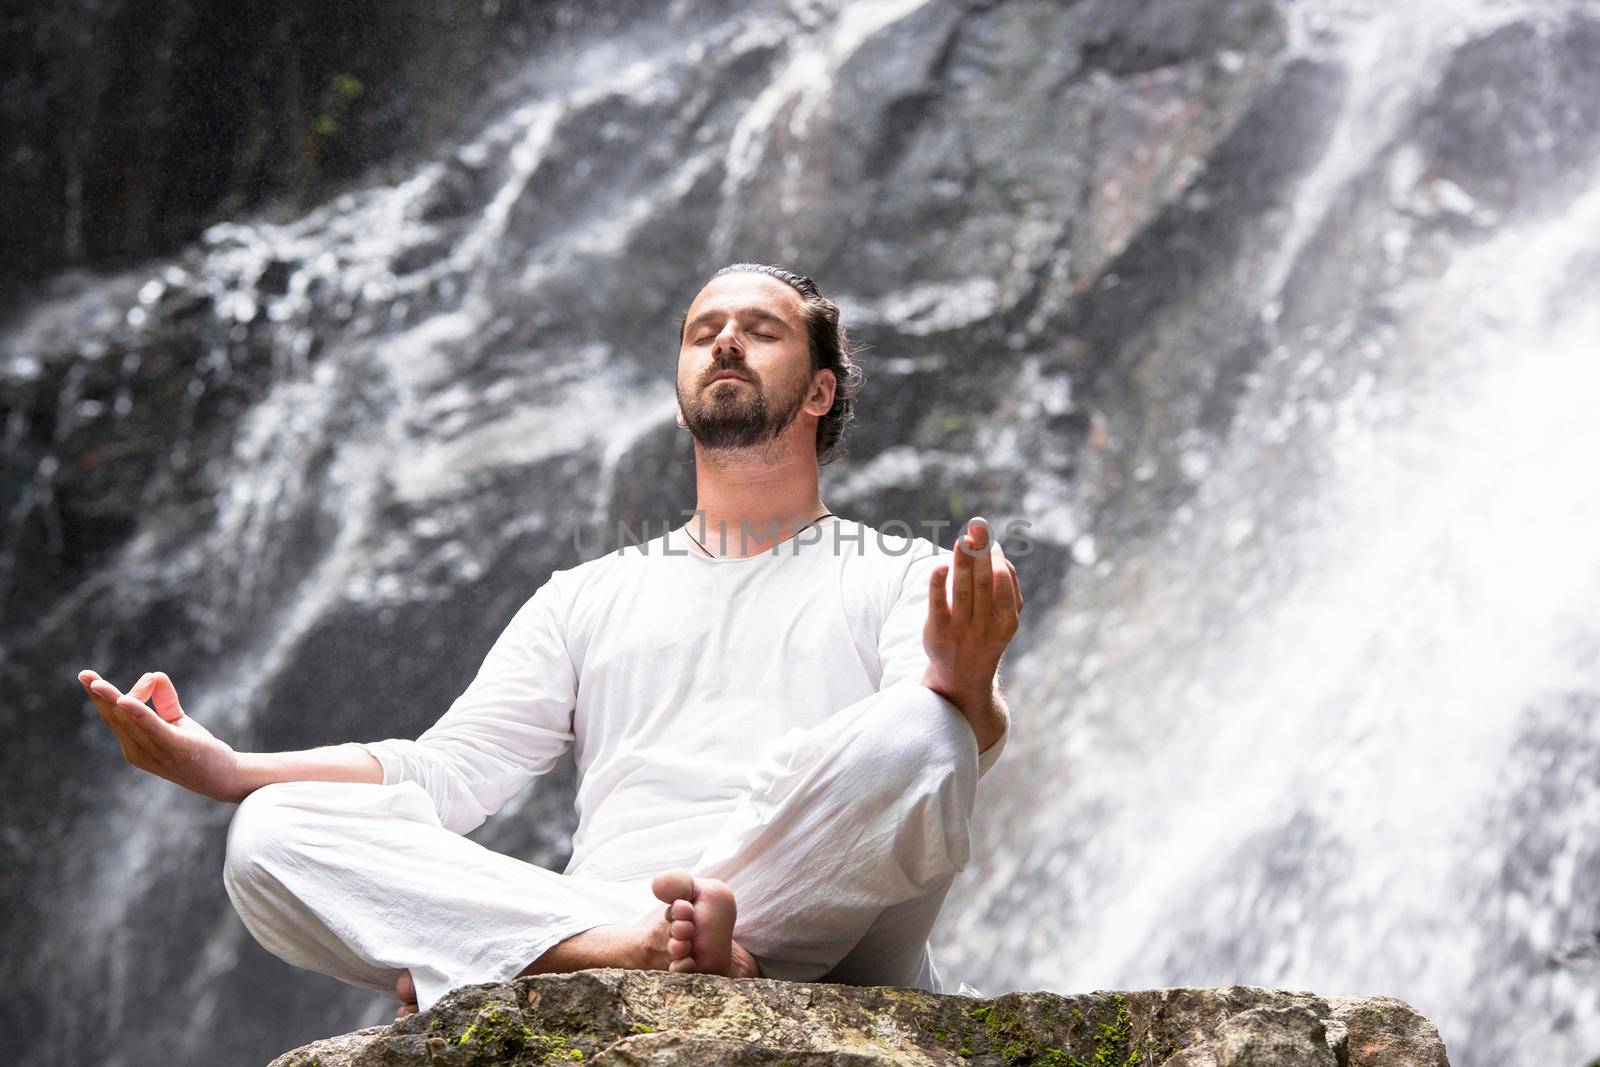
(980, 705)
(976, 700)
(970, 697)
(244, 777)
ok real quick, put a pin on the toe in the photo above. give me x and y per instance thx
(714, 906)
(676, 884)
(683, 966)
(682, 911)
(710, 890)
(714, 918)
(683, 930)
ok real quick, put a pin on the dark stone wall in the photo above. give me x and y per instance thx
(126, 128)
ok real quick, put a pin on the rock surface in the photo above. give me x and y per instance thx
(647, 1017)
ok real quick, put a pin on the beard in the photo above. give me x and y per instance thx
(730, 415)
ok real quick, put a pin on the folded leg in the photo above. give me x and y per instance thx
(894, 950)
(839, 857)
(359, 881)
(856, 825)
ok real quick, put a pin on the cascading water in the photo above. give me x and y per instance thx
(1333, 724)
(1277, 322)
(1335, 728)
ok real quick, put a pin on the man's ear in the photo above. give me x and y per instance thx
(820, 400)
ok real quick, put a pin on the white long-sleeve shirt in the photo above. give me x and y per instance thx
(669, 671)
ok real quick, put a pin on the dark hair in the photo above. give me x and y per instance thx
(830, 350)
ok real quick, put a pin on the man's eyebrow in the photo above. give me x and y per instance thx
(761, 314)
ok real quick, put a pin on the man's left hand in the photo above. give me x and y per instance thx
(968, 630)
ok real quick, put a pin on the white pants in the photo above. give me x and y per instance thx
(839, 859)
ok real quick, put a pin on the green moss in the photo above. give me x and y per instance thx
(499, 1036)
(641, 1028)
(1012, 1035)
(1113, 1043)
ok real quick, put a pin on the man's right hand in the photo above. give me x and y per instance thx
(166, 742)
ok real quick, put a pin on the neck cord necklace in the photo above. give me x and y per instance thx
(707, 551)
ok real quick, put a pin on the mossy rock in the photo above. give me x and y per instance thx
(614, 1017)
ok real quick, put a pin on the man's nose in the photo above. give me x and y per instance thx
(727, 343)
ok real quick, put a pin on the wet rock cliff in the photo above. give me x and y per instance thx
(1274, 320)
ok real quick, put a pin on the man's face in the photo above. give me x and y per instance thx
(749, 326)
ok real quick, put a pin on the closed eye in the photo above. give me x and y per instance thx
(711, 336)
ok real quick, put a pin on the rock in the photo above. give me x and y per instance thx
(616, 1017)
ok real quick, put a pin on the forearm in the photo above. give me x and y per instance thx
(333, 763)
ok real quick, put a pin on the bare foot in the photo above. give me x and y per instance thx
(700, 935)
(406, 990)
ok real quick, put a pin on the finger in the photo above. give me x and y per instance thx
(140, 690)
(1005, 590)
(135, 695)
(105, 691)
(1007, 582)
(164, 695)
(136, 749)
(103, 708)
(148, 728)
(136, 744)
(982, 568)
(961, 584)
(938, 603)
(99, 702)
(87, 679)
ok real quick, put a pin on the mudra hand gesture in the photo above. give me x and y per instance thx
(165, 741)
(967, 631)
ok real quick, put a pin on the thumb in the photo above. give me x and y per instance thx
(165, 697)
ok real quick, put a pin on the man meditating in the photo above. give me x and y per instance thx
(779, 718)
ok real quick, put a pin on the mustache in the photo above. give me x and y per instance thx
(729, 368)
